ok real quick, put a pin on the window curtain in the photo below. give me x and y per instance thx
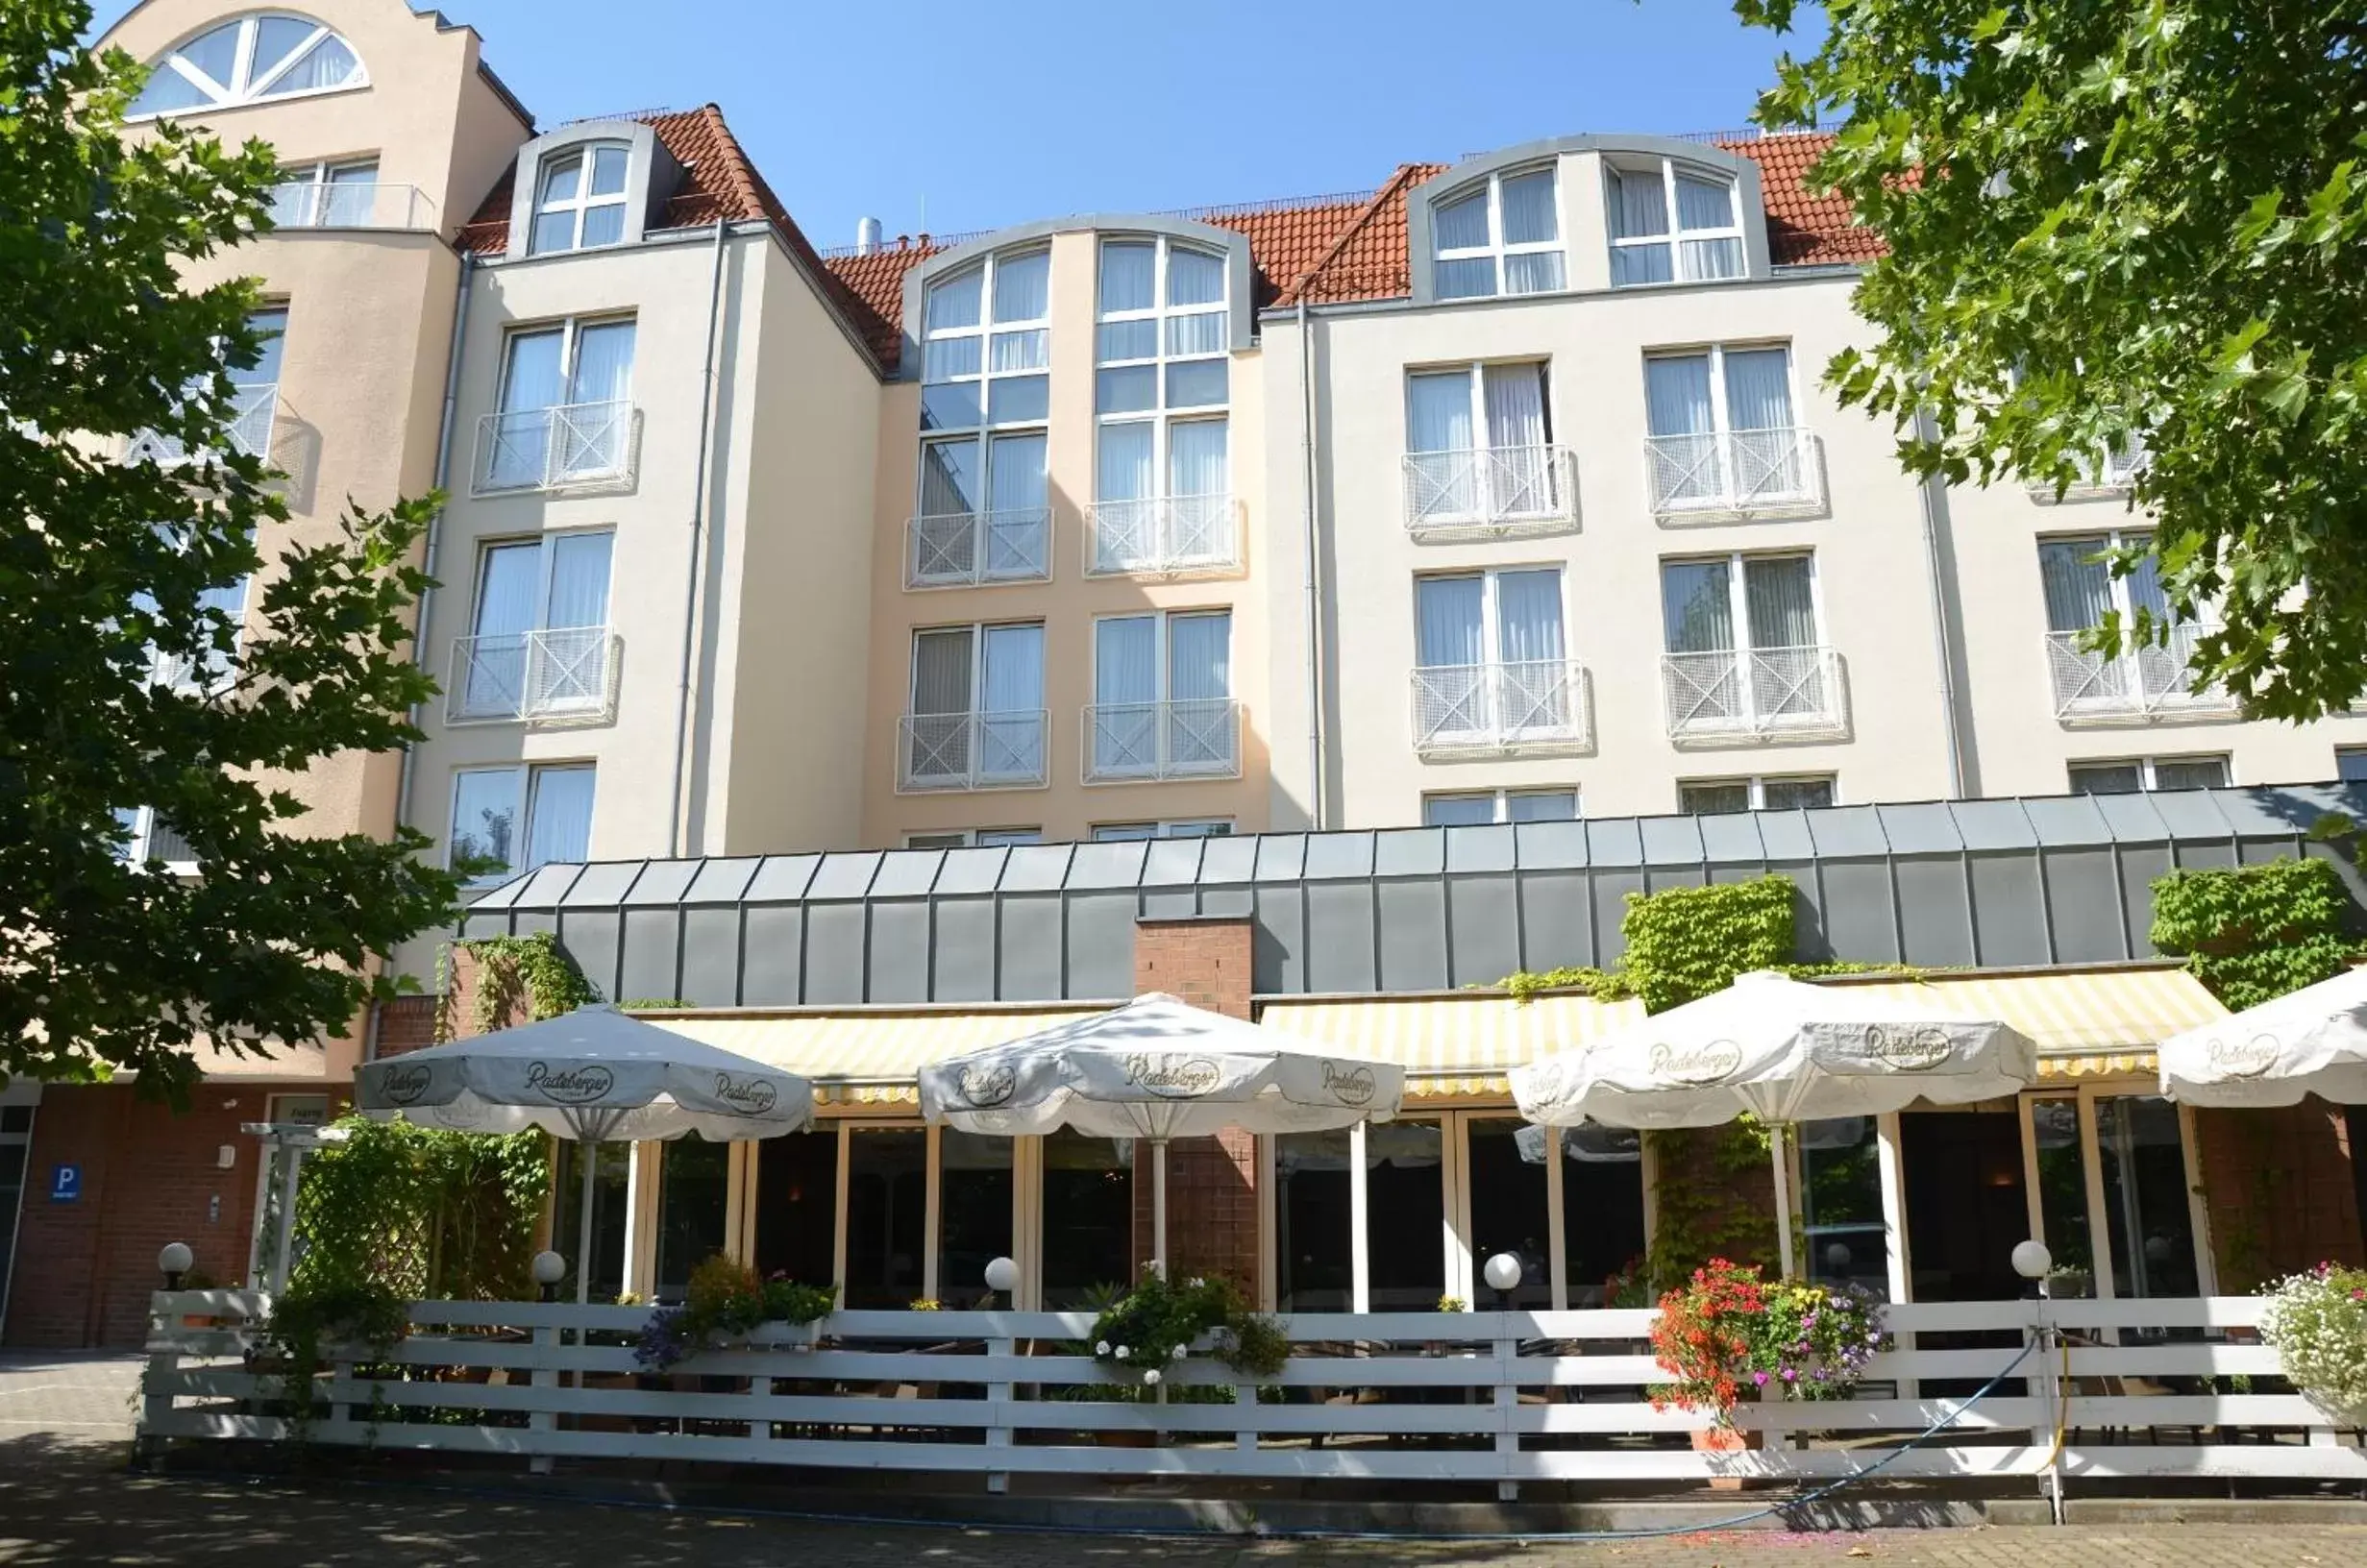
(2077, 586)
(1697, 607)
(1639, 205)
(558, 820)
(1450, 629)
(941, 671)
(949, 479)
(1016, 475)
(1013, 677)
(1022, 287)
(578, 580)
(1122, 470)
(1196, 458)
(1704, 204)
(1676, 391)
(1514, 395)
(351, 194)
(1758, 389)
(604, 363)
(1125, 663)
(1438, 411)
(329, 64)
(2144, 583)
(1528, 210)
(1462, 224)
(1129, 273)
(1193, 278)
(954, 301)
(1781, 602)
(506, 590)
(533, 379)
(1528, 606)
(1199, 657)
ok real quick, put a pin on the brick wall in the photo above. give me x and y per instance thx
(1211, 1182)
(2280, 1188)
(408, 1023)
(84, 1270)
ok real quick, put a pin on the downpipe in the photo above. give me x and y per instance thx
(1311, 458)
(698, 537)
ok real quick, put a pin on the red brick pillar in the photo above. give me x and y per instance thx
(2279, 1189)
(1211, 1182)
(410, 1023)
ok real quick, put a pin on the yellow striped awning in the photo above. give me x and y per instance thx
(1453, 1044)
(866, 1055)
(2086, 1023)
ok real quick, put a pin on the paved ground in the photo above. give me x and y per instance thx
(67, 1498)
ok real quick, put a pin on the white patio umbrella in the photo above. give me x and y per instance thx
(1157, 1069)
(593, 1075)
(1784, 1051)
(2311, 1041)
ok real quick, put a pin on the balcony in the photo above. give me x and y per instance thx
(1759, 694)
(1503, 493)
(957, 550)
(570, 447)
(971, 751)
(1524, 709)
(351, 204)
(1162, 536)
(1140, 742)
(1728, 475)
(559, 676)
(2111, 475)
(2144, 685)
(254, 415)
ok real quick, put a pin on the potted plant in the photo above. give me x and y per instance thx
(725, 1303)
(2318, 1322)
(1143, 1334)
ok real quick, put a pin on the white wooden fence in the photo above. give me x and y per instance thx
(2138, 1389)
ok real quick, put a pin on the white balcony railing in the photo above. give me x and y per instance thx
(569, 446)
(2110, 474)
(1506, 490)
(254, 413)
(1727, 474)
(351, 204)
(970, 750)
(1537, 706)
(1755, 694)
(1192, 737)
(558, 676)
(958, 549)
(2140, 686)
(1162, 534)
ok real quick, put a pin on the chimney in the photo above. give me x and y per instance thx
(867, 237)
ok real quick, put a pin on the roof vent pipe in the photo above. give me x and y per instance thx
(866, 236)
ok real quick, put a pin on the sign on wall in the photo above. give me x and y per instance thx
(66, 1183)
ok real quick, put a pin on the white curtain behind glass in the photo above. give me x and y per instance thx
(1697, 607)
(1515, 398)
(578, 580)
(1529, 616)
(1129, 271)
(1704, 204)
(1449, 629)
(1639, 205)
(1022, 287)
(2077, 586)
(506, 590)
(1017, 475)
(1199, 657)
(1122, 470)
(1438, 411)
(1676, 392)
(1780, 594)
(1460, 225)
(559, 818)
(1528, 210)
(1125, 663)
(1013, 677)
(1196, 458)
(2144, 581)
(604, 363)
(1758, 389)
(954, 301)
(1193, 278)
(533, 379)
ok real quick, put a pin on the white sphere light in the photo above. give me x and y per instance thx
(175, 1257)
(1839, 1256)
(2031, 1259)
(548, 1267)
(1503, 1270)
(1003, 1274)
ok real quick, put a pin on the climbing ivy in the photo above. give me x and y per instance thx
(533, 969)
(2252, 932)
(420, 1212)
(1730, 1217)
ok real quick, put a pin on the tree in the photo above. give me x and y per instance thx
(2126, 220)
(114, 574)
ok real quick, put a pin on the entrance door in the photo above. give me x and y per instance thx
(1966, 1207)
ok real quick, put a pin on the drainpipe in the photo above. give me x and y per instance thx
(423, 611)
(697, 532)
(1315, 598)
(1934, 499)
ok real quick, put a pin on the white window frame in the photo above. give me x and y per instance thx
(2146, 764)
(986, 329)
(1179, 827)
(974, 838)
(1500, 800)
(1165, 671)
(316, 183)
(584, 156)
(571, 329)
(1161, 418)
(1756, 784)
(1497, 249)
(1737, 596)
(2107, 541)
(135, 852)
(544, 546)
(239, 91)
(523, 835)
(1669, 168)
(1721, 419)
(2091, 1166)
(978, 630)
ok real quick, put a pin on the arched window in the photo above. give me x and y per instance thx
(580, 200)
(1499, 235)
(274, 54)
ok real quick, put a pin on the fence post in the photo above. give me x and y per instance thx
(760, 1387)
(162, 1373)
(340, 1413)
(1507, 1402)
(542, 1418)
(1245, 1399)
(999, 1398)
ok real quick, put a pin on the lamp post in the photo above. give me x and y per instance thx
(173, 1260)
(1503, 1274)
(2032, 1261)
(1002, 1278)
(549, 1269)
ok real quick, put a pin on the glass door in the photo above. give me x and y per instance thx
(2115, 1194)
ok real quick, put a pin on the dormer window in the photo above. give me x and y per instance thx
(580, 199)
(1706, 241)
(1500, 235)
(245, 62)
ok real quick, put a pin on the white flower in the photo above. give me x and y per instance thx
(1101, 1349)
(1151, 1376)
(1122, 1352)
(1179, 1353)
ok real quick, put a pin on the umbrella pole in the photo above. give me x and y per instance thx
(1783, 1197)
(587, 1150)
(1158, 1205)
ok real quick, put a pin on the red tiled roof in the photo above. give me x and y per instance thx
(1803, 229)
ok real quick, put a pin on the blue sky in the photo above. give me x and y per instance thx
(964, 116)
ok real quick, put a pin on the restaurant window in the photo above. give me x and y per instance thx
(2063, 1194)
(1088, 1218)
(797, 1205)
(1846, 1242)
(2143, 1161)
(973, 1213)
(1314, 1255)
(611, 1177)
(1511, 1209)
(1602, 1212)
(1405, 1215)
(887, 1199)
(693, 1197)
